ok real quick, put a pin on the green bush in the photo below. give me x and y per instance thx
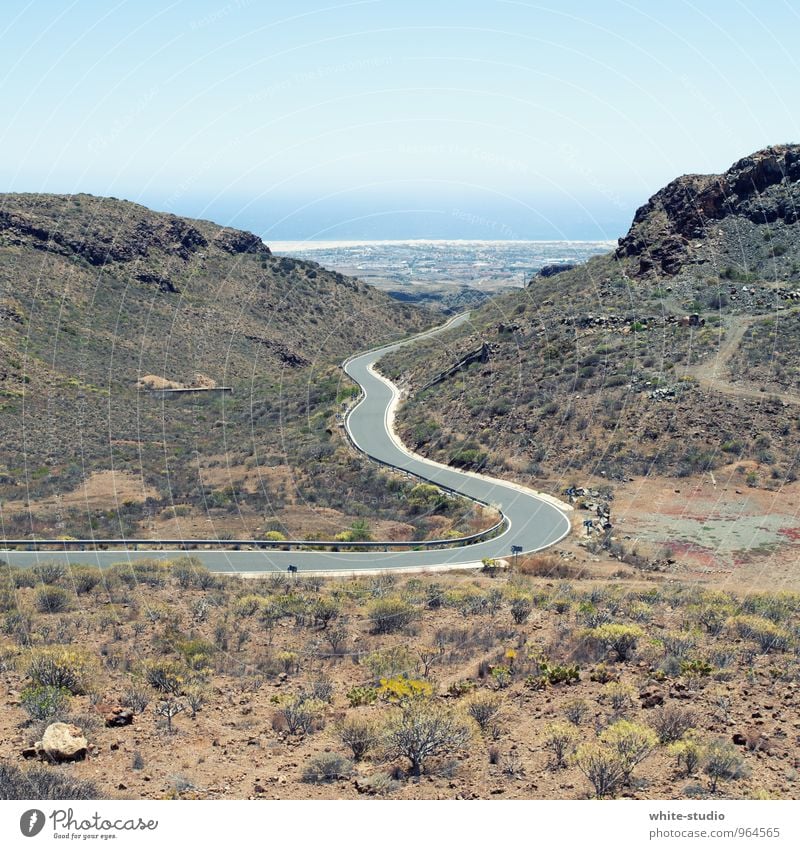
(23, 578)
(720, 759)
(603, 767)
(559, 740)
(43, 703)
(631, 742)
(61, 667)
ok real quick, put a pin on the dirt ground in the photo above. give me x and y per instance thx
(233, 748)
(716, 528)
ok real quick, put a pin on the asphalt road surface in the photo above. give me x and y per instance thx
(533, 521)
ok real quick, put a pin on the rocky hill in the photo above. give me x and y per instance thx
(102, 302)
(745, 218)
(676, 354)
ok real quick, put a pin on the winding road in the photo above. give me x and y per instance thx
(533, 520)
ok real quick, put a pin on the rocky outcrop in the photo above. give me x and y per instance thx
(553, 269)
(284, 354)
(100, 244)
(762, 189)
(239, 242)
(163, 284)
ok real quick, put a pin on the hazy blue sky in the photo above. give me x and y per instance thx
(392, 118)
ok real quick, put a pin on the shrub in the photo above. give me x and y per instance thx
(687, 752)
(247, 605)
(559, 740)
(301, 716)
(360, 735)
(389, 615)
(85, 579)
(23, 578)
(49, 573)
(195, 698)
(602, 766)
(483, 707)
(198, 654)
(721, 760)
(671, 723)
(187, 571)
(401, 688)
(62, 667)
(621, 639)
(274, 536)
(461, 688)
(328, 766)
(51, 599)
(575, 710)
(166, 676)
(521, 608)
(631, 742)
(324, 611)
(422, 729)
(620, 695)
(765, 632)
(137, 700)
(45, 783)
(391, 662)
(44, 702)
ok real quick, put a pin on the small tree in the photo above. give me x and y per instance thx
(169, 708)
(422, 729)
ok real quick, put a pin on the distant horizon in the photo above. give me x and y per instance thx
(311, 243)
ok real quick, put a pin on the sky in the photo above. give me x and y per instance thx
(391, 119)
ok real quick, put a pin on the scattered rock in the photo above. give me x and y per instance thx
(64, 742)
(651, 698)
(118, 717)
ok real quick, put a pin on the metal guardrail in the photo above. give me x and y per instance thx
(238, 544)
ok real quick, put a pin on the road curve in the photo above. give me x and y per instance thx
(534, 521)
